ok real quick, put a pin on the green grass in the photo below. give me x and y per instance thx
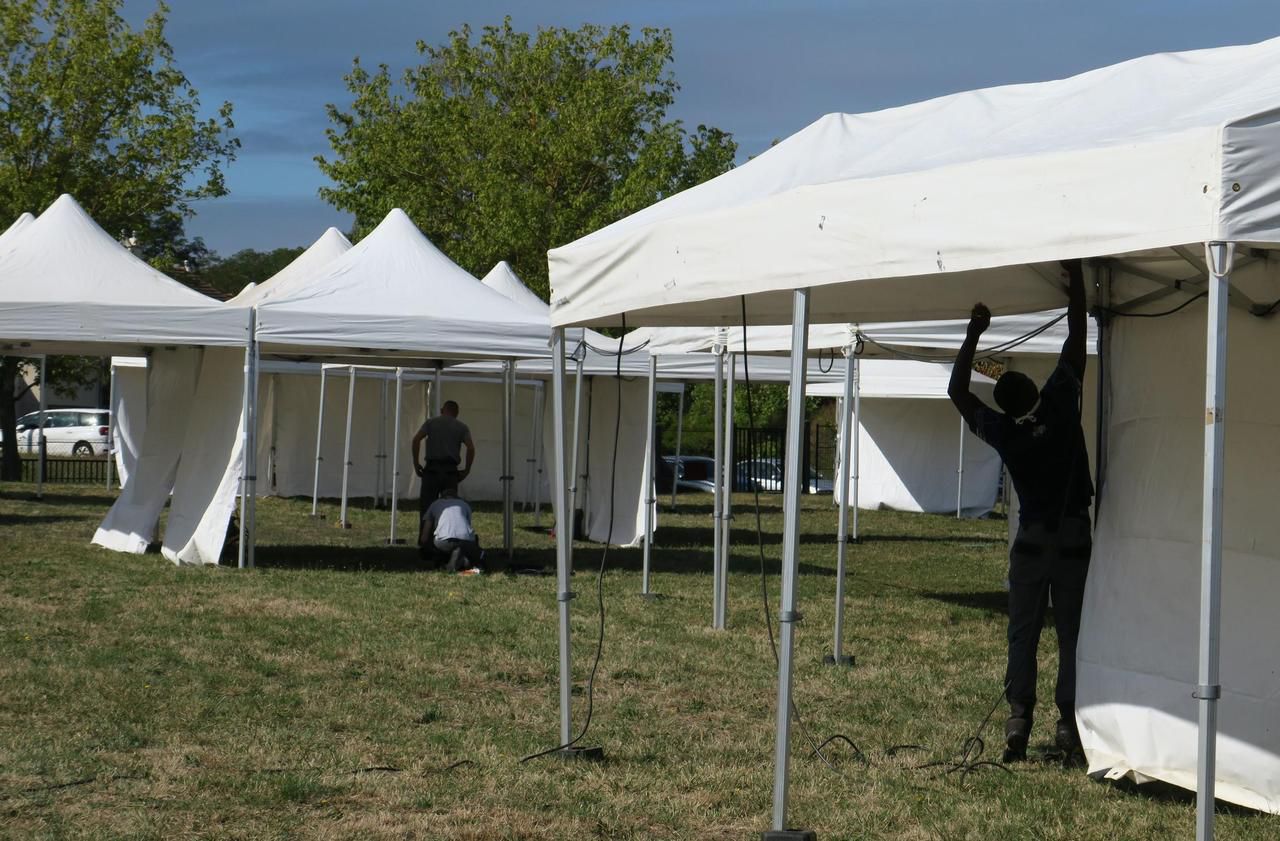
(330, 692)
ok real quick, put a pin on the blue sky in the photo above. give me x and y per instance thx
(760, 70)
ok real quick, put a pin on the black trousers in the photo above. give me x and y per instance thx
(437, 477)
(1046, 561)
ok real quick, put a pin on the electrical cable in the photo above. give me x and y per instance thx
(1186, 303)
(604, 556)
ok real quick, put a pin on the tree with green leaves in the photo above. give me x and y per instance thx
(503, 145)
(93, 107)
(231, 274)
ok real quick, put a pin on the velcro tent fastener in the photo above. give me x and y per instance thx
(790, 616)
(1208, 691)
(566, 596)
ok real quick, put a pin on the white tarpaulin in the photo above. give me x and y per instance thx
(909, 440)
(128, 412)
(330, 246)
(65, 284)
(904, 213)
(9, 236)
(130, 525)
(1139, 630)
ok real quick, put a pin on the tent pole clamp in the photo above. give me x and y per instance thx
(566, 596)
(1207, 692)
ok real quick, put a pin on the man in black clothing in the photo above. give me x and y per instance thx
(1038, 434)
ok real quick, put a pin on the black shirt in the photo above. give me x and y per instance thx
(1045, 451)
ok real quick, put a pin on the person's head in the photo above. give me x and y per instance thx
(449, 493)
(449, 408)
(1015, 394)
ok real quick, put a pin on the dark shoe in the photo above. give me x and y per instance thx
(1067, 740)
(1016, 733)
(455, 560)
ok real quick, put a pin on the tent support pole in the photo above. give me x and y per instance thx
(837, 657)
(651, 455)
(1219, 256)
(315, 482)
(380, 457)
(717, 501)
(508, 513)
(855, 430)
(536, 460)
(726, 479)
(960, 474)
(563, 536)
(675, 466)
(249, 447)
(437, 390)
(395, 458)
(111, 425)
(346, 447)
(787, 615)
(580, 355)
(42, 449)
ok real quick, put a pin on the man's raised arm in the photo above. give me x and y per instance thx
(1075, 348)
(962, 371)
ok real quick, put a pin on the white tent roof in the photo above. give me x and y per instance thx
(916, 211)
(331, 245)
(65, 282)
(395, 295)
(502, 278)
(903, 378)
(11, 232)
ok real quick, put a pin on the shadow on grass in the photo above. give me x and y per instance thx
(977, 540)
(33, 519)
(54, 498)
(1158, 791)
(994, 601)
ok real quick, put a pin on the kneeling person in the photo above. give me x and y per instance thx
(446, 527)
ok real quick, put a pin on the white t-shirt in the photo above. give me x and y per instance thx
(452, 518)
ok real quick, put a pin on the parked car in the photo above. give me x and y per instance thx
(693, 473)
(76, 432)
(765, 475)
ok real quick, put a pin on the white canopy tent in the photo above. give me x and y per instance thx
(9, 235)
(1164, 166)
(913, 445)
(66, 286)
(330, 246)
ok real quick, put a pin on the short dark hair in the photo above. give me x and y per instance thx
(1015, 393)
(450, 406)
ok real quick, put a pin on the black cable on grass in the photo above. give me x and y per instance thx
(972, 748)
(764, 577)
(604, 555)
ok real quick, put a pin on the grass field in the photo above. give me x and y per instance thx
(336, 692)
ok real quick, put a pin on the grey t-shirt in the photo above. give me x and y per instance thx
(452, 518)
(445, 437)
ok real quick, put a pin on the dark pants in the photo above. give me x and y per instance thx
(469, 554)
(1046, 561)
(437, 477)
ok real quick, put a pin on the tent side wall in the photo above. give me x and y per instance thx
(1137, 669)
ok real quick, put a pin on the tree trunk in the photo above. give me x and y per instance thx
(10, 464)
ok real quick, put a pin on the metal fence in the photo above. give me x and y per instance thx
(67, 470)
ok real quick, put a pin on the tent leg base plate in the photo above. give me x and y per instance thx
(588, 754)
(399, 541)
(845, 660)
(789, 835)
(344, 525)
(652, 597)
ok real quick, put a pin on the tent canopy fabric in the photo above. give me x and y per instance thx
(330, 246)
(65, 283)
(902, 378)
(9, 236)
(913, 212)
(394, 296)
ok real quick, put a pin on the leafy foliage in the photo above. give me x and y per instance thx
(90, 106)
(231, 274)
(504, 145)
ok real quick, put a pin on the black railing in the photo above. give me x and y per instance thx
(72, 470)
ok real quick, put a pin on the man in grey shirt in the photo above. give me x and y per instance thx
(446, 436)
(447, 525)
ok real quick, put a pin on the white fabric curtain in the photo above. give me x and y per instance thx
(1140, 629)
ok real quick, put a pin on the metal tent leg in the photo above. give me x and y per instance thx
(726, 480)
(536, 460)
(651, 455)
(395, 458)
(717, 500)
(346, 448)
(837, 657)
(315, 482)
(855, 429)
(563, 536)
(249, 447)
(580, 355)
(508, 508)
(794, 481)
(675, 466)
(960, 475)
(1219, 256)
(111, 425)
(42, 449)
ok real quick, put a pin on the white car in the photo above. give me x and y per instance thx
(765, 475)
(68, 432)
